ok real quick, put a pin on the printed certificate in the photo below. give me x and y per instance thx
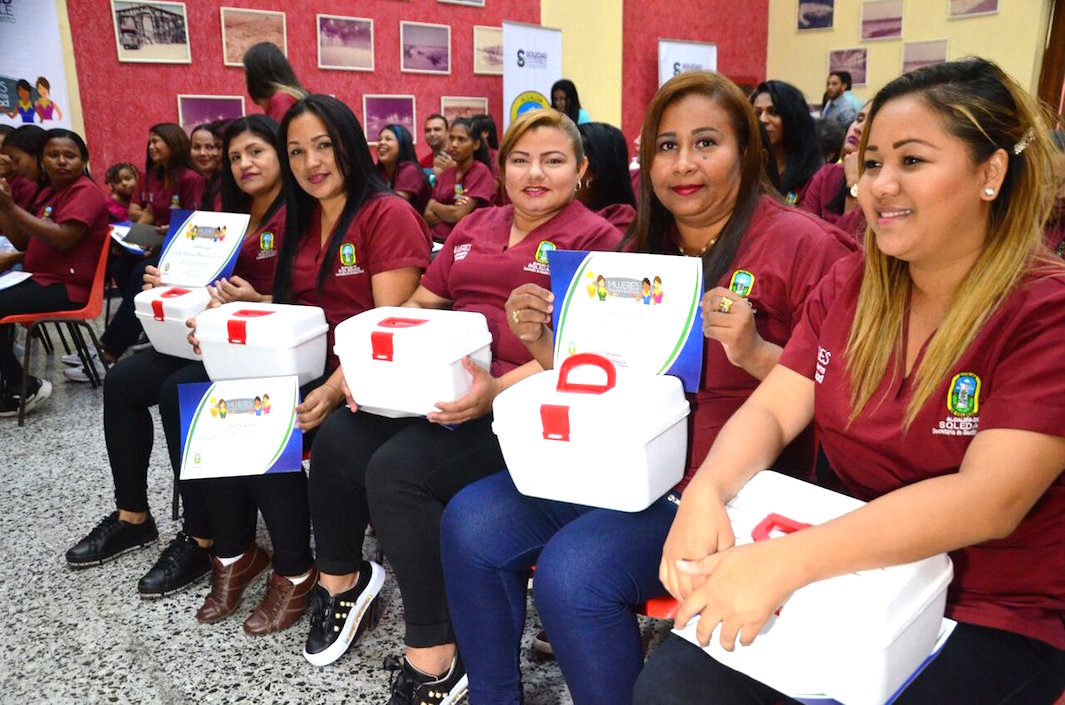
(201, 247)
(240, 427)
(640, 311)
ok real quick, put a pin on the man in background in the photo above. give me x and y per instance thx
(436, 137)
(839, 103)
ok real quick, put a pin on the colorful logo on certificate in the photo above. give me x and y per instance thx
(542, 249)
(963, 395)
(347, 254)
(266, 241)
(47, 213)
(742, 282)
(197, 458)
(529, 100)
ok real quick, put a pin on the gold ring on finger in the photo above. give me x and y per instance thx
(725, 305)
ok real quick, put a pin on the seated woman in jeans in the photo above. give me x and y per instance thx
(701, 196)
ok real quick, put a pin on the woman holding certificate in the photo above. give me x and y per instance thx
(932, 370)
(403, 471)
(334, 199)
(701, 195)
(251, 183)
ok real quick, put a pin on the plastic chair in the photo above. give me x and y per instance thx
(75, 320)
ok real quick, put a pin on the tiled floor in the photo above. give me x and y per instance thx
(86, 637)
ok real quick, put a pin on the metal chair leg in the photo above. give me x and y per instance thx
(83, 354)
(46, 340)
(25, 376)
(62, 338)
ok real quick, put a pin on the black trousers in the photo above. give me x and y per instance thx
(25, 297)
(124, 328)
(400, 472)
(132, 386)
(233, 504)
(978, 666)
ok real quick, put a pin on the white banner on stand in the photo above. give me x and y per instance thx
(675, 56)
(532, 62)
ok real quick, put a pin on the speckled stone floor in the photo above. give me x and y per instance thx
(86, 637)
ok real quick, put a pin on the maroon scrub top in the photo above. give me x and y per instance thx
(477, 183)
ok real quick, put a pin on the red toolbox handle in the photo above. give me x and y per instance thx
(776, 522)
(579, 360)
(399, 322)
(174, 293)
(252, 313)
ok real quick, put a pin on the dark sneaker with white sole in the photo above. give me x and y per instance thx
(338, 620)
(37, 390)
(412, 687)
(111, 538)
(182, 564)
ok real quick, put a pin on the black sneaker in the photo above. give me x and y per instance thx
(338, 620)
(412, 687)
(37, 390)
(181, 564)
(111, 538)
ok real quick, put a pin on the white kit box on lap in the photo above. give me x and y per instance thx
(163, 311)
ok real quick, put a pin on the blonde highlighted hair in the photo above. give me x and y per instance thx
(532, 119)
(982, 106)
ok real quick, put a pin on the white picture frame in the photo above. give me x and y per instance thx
(243, 27)
(357, 51)
(425, 48)
(137, 33)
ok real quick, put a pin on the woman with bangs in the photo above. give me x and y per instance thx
(956, 314)
(702, 195)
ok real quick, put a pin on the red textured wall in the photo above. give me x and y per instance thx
(740, 30)
(121, 100)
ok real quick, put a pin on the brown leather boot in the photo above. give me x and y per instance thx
(282, 604)
(228, 583)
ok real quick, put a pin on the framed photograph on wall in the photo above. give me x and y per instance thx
(424, 48)
(151, 32)
(881, 19)
(854, 61)
(460, 106)
(195, 110)
(468, 3)
(243, 28)
(918, 54)
(381, 110)
(960, 9)
(815, 14)
(488, 50)
(345, 43)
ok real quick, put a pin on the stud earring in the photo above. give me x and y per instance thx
(989, 192)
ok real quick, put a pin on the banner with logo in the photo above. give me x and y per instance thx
(240, 427)
(675, 56)
(638, 310)
(202, 246)
(33, 80)
(532, 62)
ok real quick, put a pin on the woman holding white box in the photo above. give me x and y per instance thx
(932, 370)
(701, 196)
(403, 471)
(251, 184)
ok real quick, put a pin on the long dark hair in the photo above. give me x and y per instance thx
(480, 153)
(799, 136)
(405, 141)
(266, 71)
(573, 103)
(608, 161)
(29, 139)
(63, 133)
(234, 200)
(361, 181)
(654, 222)
(484, 123)
(178, 143)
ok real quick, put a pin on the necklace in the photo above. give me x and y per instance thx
(701, 252)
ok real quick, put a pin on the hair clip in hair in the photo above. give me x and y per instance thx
(1024, 141)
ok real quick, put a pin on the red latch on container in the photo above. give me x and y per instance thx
(157, 305)
(397, 322)
(237, 329)
(775, 522)
(555, 420)
(381, 345)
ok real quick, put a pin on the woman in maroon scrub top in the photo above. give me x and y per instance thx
(932, 370)
(272, 83)
(62, 241)
(170, 179)
(464, 187)
(397, 165)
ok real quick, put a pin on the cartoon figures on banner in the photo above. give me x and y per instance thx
(26, 109)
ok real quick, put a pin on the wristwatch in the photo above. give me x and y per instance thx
(854, 190)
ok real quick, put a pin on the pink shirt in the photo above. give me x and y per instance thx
(386, 234)
(477, 270)
(1010, 377)
(80, 202)
(477, 183)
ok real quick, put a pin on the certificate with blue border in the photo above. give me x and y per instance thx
(201, 247)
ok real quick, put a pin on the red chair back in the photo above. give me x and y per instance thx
(92, 307)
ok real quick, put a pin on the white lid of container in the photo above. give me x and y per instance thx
(162, 302)
(261, 324)
(411, 335)
(626, 404)
(877, 604)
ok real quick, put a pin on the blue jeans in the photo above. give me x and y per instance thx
(592, 567)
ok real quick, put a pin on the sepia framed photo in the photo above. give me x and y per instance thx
(488, 50)
(424, 48)
(151, 32)
(243, 28)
